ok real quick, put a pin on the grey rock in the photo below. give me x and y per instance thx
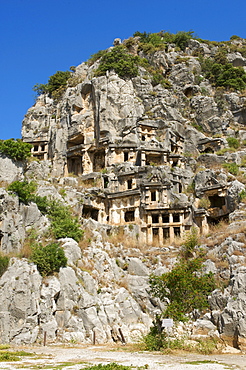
(10, 170)
(71, 249)
(136, 267)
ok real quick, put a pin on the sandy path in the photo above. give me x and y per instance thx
(82, 356)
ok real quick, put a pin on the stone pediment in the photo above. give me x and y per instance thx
(153, 144)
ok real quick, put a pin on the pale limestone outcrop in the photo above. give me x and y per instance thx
(69, 306)
(16, 220)
(10, 170)
(125, 153)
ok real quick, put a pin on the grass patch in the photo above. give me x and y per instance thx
(111, 366)
(4, 346)
(6, 356)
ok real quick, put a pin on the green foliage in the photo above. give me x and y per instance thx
(119, 60)
(155, 339)
(24, 190)
(111, 366)
(242, 195)
(191, 241)
(96, 56)
(185, 287)
(233, 168)
(158, 78)
(221, 73)
(16, 149)
(233, 142)
(48, 258)
(150, 42)
(13, 355)
(181, 39)
(56, 83)
(8, 356)
(63, 224)
(207, 346)
(4, 262)
(235, 37)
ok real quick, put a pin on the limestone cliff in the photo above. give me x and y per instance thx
(153, 154)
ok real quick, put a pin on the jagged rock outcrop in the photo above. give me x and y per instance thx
(72, 306)
(146, 156)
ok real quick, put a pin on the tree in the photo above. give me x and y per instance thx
(24, 190)
(15, 149)
(185, 287)
(49, 258)
(56, 82)
(123, 63)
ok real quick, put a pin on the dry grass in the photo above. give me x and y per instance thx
(26, 250)
(217, 234)
(86, 240)
(123, 283)
(238, 253)
(222, 264)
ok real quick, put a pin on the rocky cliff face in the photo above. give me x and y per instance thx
(151, 159)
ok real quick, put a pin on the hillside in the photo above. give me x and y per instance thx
(138, 147)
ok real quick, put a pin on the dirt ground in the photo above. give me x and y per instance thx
(69, 357)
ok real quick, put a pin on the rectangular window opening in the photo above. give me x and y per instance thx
(129, 216)
(166, 233)
(153, 196)
(155, 219)
(126, 156)
(176, 231)
(176, 217)
(165, 218)
(129, 184)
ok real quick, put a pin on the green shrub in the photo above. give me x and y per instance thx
(181, 39)
(235, 37)
(155, 339)
(111, 366)
(119, 60)
(96, 56)
(4, 262)
(159, 40)
(63, 224)
(15, 149)
(233, 142)
(56, 82)
(24, 190)
(185, 287)
(158, 78)
(191, 241)
(233, 168)
(242, 195)
(223, 75)
(49, 258)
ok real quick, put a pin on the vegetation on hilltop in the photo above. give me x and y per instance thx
(120, 58)
(151, 42)
(55, 85)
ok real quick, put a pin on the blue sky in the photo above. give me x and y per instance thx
(40, 37)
